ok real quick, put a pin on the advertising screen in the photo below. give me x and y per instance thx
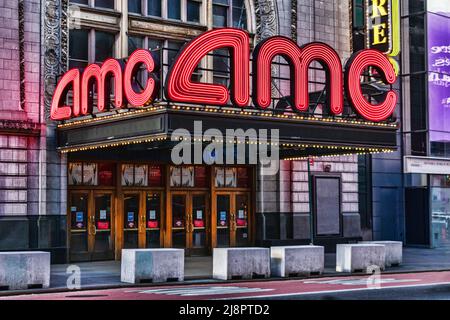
(439, 74)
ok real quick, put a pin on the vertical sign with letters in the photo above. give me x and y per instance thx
(383, 26)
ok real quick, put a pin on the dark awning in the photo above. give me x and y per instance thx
(300, 136)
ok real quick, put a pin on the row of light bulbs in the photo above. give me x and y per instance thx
(264, 114)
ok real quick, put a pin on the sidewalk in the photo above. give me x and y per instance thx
(199, 269)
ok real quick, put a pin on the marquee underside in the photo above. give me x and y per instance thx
(142, 130)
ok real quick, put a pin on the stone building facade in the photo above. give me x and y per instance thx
(31, 201)
(34, 52)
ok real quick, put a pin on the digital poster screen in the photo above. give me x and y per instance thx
(439, 71)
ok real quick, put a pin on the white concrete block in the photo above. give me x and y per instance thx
(23, 270)
(152, 265)
(297, 260)
(359, 257)
(394, 251)
(244, 263)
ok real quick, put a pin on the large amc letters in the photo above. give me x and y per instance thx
(180, 87)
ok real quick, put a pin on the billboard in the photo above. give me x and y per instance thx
(439, 74)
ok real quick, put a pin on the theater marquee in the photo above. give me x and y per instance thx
(170, 100)
(180, 88)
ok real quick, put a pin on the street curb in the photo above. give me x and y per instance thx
(193, 281)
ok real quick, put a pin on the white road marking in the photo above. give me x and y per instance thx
(338, 291)
(202, 291)
(358, 282)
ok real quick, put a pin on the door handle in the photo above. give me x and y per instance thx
(232, 222)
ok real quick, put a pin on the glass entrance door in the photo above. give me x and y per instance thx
(91, 231)
(190, 222)
(131, 212)
(142, 216)
(232, 219)
(103, 244)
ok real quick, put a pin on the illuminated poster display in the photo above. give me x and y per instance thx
(439, 74)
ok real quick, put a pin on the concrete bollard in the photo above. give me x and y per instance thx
(24, 270)
(394, 252)
(242, 263)
(358, 257)
(297, 260)
(152, 265)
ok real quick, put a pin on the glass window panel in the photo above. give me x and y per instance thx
(220, 16)
(174, 9)
(219, 177)
(416, 6)
(175, 176)
(173, 48)
(440, 202)
(239, 14)
(221, 62)
(223, 212)
(153, 210)
(105, 4)
(127, 175)
(242, 220)
(131, 207)
(103, 212)
(200, 177)
(224, 2)
(104, 45)
(417, 43)
(154, 44)
(90, 174)
(79, 44)
(153, 222)
(198, 211)
(75, 174)
(85, 2)
(154, 8)
(140, 175)
(135, 6)
(199, 220)
(178, 211)
(230, 177)
(239, 18)
(193, 11)
(187, 177)
(134, 43)
(130, 221)
(155, 176)
(78, 223)
(78, 210)
(243, 177)
(106, 174)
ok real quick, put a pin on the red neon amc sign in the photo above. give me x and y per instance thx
(180, 87)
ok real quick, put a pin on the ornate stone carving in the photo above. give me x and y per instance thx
(267, 25)
(56, 46)
(266, 19)
(24, 127)
(22, 52)
(294, 20)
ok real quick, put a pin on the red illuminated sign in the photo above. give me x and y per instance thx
(181, 88)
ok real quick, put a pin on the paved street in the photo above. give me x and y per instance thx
(107, 273)
(427, 285)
